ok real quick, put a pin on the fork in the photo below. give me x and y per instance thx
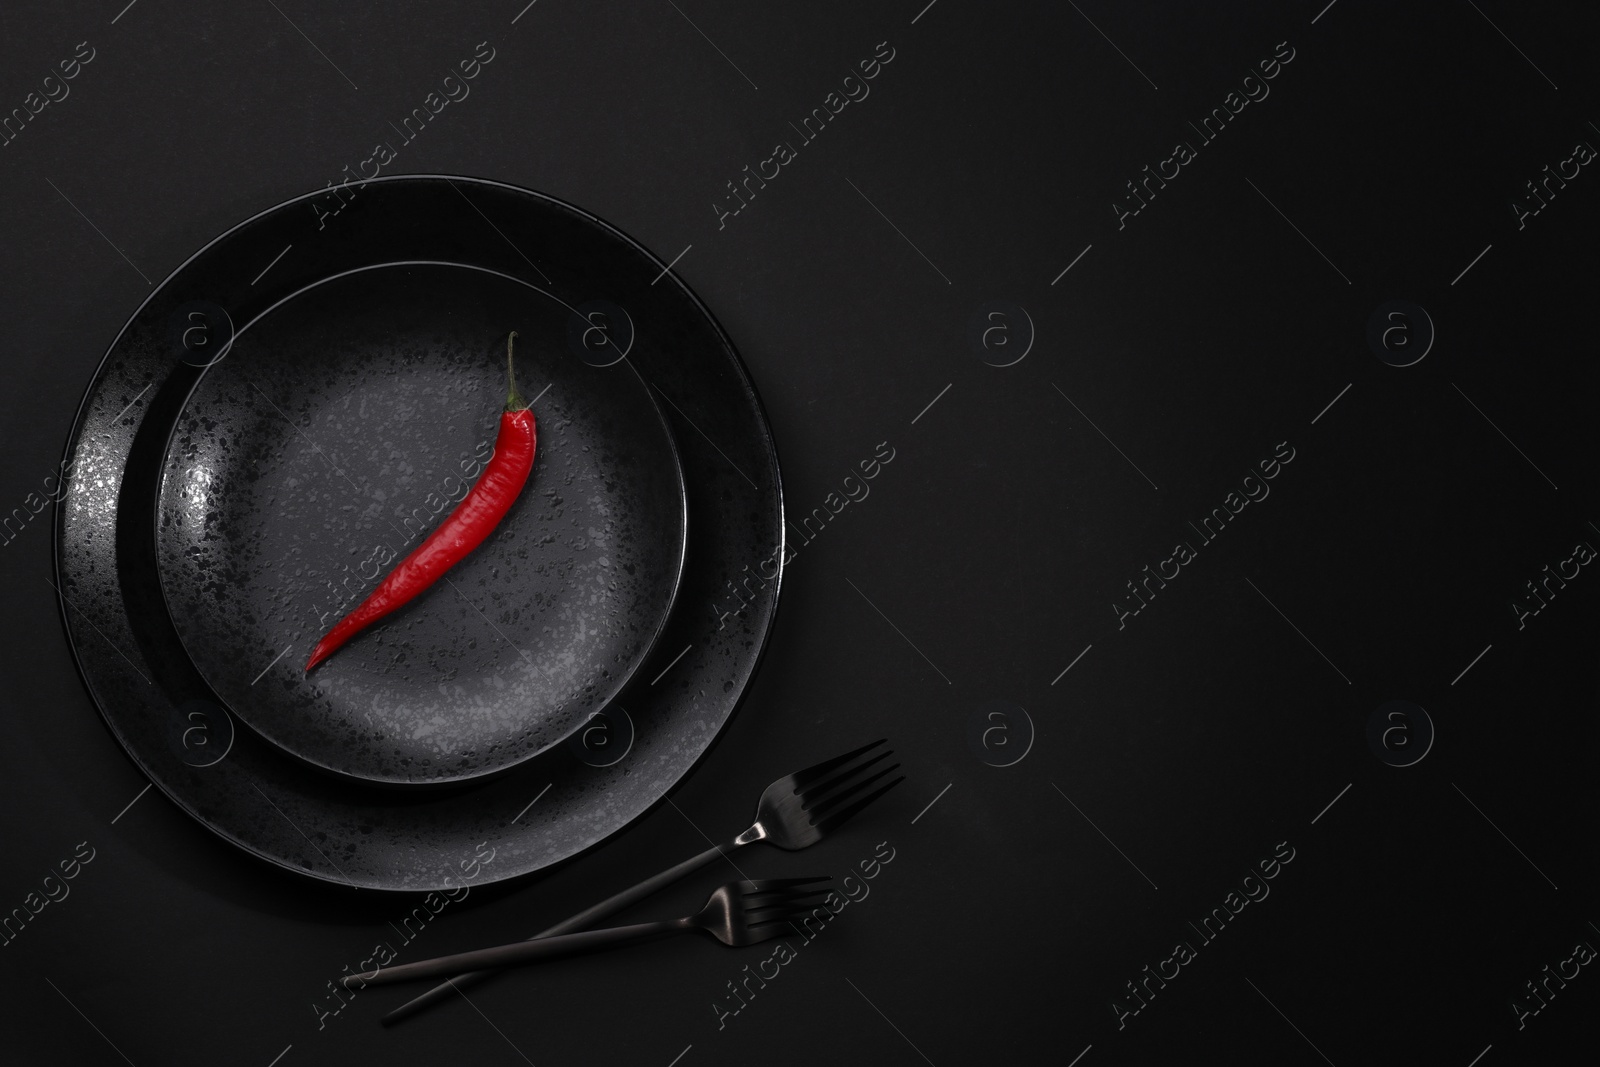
(794, 812)
(737, 914)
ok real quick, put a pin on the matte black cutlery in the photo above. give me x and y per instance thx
(739, 913)
(794, 812)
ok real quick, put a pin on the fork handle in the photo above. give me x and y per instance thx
(649, 887)
(523, 952)
(588, 917)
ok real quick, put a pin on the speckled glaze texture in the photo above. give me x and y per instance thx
(335, 435)
(277, 807)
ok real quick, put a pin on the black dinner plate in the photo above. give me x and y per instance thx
(329, 439)
(566, 799)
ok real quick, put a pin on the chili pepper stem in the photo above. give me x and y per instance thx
(514, 401)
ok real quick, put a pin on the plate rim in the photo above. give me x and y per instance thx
(308, 876)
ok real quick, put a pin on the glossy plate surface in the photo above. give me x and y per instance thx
(550, 807)
(333, 436)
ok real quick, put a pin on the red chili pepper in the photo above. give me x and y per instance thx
(474, 519)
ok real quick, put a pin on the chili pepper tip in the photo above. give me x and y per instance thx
(318, 654)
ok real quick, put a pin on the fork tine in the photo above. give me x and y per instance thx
(774, 928)
(781, 913)
(769, 885)
(779, 898)
(835, 819)
(820, 808)
(814, 791)
(788, 904)
(772, 915)
(811, 774)
(754, 935)
(787, 916)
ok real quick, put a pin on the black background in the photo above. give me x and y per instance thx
(1219, 722)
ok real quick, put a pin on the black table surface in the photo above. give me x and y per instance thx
(1165, 530)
